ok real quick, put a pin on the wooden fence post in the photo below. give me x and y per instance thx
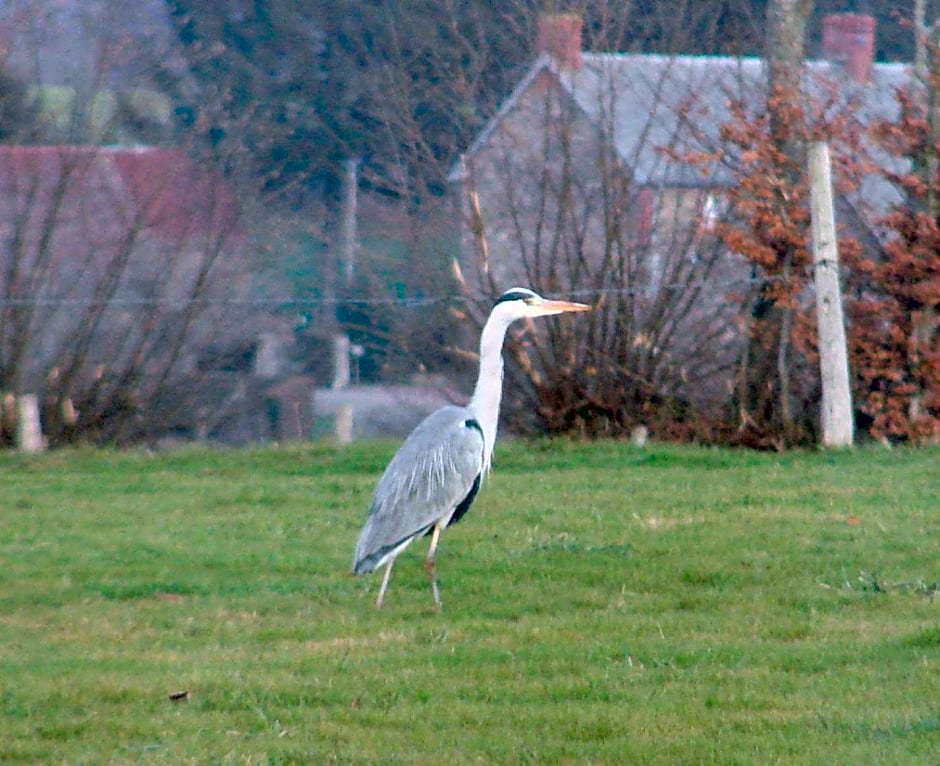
(837, 421)
(344, 424)
(29, 438)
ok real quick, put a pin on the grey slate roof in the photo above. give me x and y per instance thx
(651, 101)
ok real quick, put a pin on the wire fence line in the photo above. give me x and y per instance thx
(279, 302)
(314, 302)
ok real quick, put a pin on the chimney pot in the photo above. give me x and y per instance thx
(849, 40)
(559, 36)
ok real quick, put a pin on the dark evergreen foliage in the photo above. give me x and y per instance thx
(406, 86)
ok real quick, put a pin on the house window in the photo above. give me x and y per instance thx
(713, 210)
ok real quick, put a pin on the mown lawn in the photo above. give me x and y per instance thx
(602, 604)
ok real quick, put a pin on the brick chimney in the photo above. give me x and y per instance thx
(560, 37)
(849, 40)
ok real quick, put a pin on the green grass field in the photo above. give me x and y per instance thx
(602, 604)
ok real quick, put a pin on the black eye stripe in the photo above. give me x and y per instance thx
(515, 295)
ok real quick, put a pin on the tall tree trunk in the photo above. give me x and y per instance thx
(785, 52)
(768, 379)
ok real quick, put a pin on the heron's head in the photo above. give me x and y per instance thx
(520, 302)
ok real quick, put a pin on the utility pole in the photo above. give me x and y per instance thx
(341, 346)
(350, 221)
(837, 422)
(348, 245)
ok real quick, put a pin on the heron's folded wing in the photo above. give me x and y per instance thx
(432, 472)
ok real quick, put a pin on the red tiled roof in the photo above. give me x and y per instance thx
(160, 191)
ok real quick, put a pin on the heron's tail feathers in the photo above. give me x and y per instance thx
(364, 566)
(369, 558)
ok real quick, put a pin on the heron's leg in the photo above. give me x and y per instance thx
(429, 564)
(388, 573)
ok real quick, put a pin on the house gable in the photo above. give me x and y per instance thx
(541, 155)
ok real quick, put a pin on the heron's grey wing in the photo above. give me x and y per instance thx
(432, 472)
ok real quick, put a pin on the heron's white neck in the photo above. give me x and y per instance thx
(489, 388)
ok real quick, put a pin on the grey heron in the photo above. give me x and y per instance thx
(436, 473)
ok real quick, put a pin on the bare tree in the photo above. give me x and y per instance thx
(573, 194)
(118, 264)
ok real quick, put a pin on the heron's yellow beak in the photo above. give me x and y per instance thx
(549, 307)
